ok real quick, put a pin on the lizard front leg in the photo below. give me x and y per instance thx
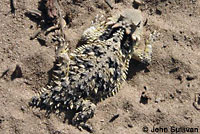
(143, 56)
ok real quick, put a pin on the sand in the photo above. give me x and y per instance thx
(161, 95)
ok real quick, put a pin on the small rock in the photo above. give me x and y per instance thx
(193, 1)
(56, 132)
(27, 82)
(174, 70)
(188, 85)
(109, 3)
(158, 110)
(164, 45)
(114, 118)
(4, 73)
(198, 99)
(130, 125)
(181, 32)
(157, 100)
(189, 77)
(173, 60)
(2, 119)
(22, 108)
(31, 26)
(158, 12)
(179, 77)
(144, 99)
(174, 38)
(118, 1)
(136, 3)
(171, 96)
(178, 91)
(145, 22)
(102, 120)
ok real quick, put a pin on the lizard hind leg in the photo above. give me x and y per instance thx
(97, 28)
(86, 111)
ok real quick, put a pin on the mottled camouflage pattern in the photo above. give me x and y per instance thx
(95, 70)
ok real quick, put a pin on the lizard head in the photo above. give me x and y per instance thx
(131, 20)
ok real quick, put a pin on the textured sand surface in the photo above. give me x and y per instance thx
(160, 95)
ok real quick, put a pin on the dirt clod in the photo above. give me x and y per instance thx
(17, 73)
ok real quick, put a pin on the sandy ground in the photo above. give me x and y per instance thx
(161, 95)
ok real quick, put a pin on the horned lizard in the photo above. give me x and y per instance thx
(95, 70)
